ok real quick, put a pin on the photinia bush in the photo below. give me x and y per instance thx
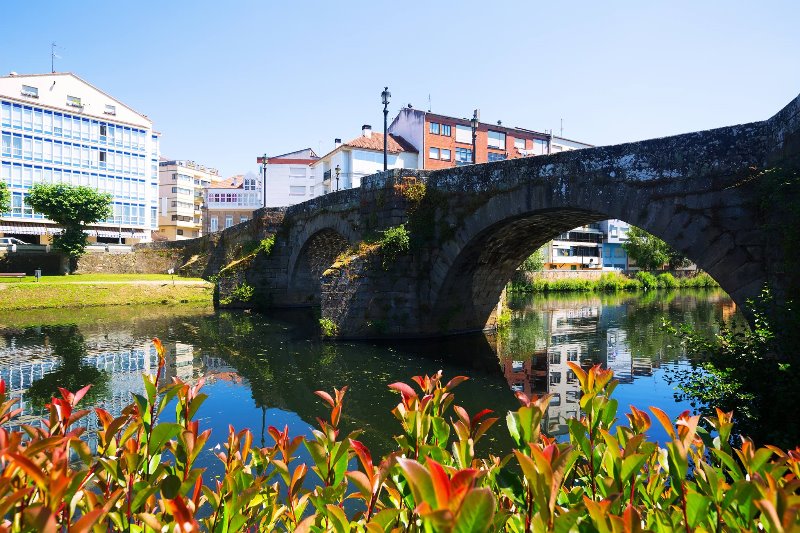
(607, 478)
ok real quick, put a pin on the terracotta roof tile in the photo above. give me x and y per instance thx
(395, 145)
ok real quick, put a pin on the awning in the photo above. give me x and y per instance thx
(24, 228)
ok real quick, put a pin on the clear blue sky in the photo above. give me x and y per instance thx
(227, 81)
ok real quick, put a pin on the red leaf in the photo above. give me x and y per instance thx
(478, 416)
(325, 396)
(441, 483)
(364, 456)
(403, 389)
(80, 394)
(456, 381)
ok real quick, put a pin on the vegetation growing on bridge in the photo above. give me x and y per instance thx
(607, 477)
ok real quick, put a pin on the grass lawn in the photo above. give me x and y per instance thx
(91, 290)
(97, 277)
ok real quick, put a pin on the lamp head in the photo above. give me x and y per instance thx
(385, 95)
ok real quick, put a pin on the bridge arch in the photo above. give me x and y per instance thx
(472, 269)
(319, 242)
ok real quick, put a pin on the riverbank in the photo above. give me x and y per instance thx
(610, 282)
(96, 290)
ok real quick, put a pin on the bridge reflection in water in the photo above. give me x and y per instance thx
(264, 368)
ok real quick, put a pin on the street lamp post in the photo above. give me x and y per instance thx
(264, 180)
(338, 169)
(474, 123)
(385, 95)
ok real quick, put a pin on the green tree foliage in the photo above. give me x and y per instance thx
(5, 198)
(753, 370)
(73, 208)
(650, 252)
(535, 261)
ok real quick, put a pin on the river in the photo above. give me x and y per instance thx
(263, 369)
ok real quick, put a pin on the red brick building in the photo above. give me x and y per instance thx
(445, 142)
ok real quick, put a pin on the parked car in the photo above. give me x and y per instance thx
(7, 241)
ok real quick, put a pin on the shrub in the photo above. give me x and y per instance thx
(607, 477)
(503, 319)
(701, 280)
(266, 244)
(667, 281)
(648, 281)
(610, 282)
(395, 242)
(242, 293)
(328, 327)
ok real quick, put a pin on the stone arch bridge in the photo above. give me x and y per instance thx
(470, 228)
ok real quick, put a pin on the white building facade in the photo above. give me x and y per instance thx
(57, 128)
(290, 178)
(359, 157)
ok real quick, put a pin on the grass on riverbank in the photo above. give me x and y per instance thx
(613, 282)
(90, 293)
(75, 278)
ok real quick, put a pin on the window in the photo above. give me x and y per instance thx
(180, 232)
(519, 144)
(6, 145)
(433, 153)
(555, 358)
(295, 190)
(435, 128)
(571, 377)
(110, 110)
(297, 172)
(496, 157)
(463, 134)
(228, 221)
(446, 130)
(243, 219)
(573, 396)
(103, 131)
(214, 224)
(249, 184)
(463, 156)
(496, 139)
(540, 146)
(74, 101)
(28, 90)
(555, 378)
(444, 154)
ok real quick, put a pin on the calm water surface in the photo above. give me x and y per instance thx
(262, 370)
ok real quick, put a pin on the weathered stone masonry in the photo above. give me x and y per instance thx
(475, 224)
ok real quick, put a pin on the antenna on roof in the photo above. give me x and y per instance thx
(429, 102)
(562, 128)
(53, 57)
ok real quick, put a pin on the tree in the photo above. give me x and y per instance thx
(73, 208)
(5, 198)
(650, 252)
(535, 261)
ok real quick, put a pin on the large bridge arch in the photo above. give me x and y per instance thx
(693, 191)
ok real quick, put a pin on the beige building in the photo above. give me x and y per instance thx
(231, 202)
(180, 194)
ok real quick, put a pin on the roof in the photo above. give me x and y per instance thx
(395, 145)
(82, 81)
(305, 153)
(234, 182)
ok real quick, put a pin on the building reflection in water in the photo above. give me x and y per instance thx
(27, 359)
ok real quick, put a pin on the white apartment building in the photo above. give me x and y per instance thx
(58, 128)
(361, 157)
(290, 178)
(180, 192)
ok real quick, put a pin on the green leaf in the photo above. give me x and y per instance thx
(476, 512)
(170, 486)
(696, 507)
(632, 464)
(162, 433)
(419, 480)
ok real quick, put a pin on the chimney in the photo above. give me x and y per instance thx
(337, 142)
(366, 131)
